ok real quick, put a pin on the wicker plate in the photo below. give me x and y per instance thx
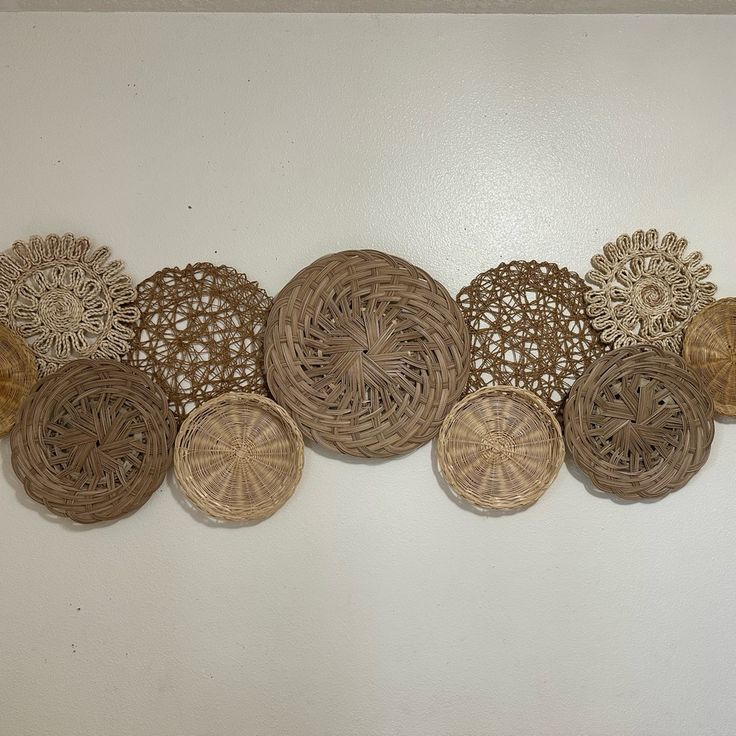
(500, 448)
(239, 457)
(639, 423)
(93, 441)
(17, 375)
(367, 352)
(710, 351)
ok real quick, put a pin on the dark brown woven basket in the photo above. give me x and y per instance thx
(367, 353)
(17, 375)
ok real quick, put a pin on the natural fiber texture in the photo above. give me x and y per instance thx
(239, 457)
(646, 290)
(529, 328)
(67, 300)
(17, 375)
(639, 423)
(367, 352)
(200, 333)
(710, 351)
(500, 448)
(93, 440)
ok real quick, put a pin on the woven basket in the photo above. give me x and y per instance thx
(710, 351)
(17, 375)
(93, 441)
(639, 422)
(500, 448)
(239, 457)
(367, 352)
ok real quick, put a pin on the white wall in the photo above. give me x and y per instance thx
(372, 603)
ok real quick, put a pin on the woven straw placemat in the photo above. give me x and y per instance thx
(239, 457)
(710, 351)
(67, 299)
(93, 441)
(639, 422)
(200, 333)
(529, 328)
(646, 290)
(367, 353)
(500, 448)
(17, 375)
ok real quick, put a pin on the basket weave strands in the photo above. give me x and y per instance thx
(200, 333)
(710, 351)
(500, 448)
(239, 457)
(647, 290)
(367, 352)
(529, 328)
(67, 299)
(93, 441)
(17, 375)
(639, 423)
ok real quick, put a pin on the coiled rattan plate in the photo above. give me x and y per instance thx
(17, 375)
(200, 333)
(500, 448)
(239, 457)
(639, 422)
(710, 351)
(646, 290)
(93, 441)
(529, 328)
(367, 353)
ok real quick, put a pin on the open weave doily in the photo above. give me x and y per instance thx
(239, 457)
(710, 351)
(17, 376)
(638, 422)
(529, 328)
(93, 440)
(67, 299)
(500, 448)
(367, 352)
(200, 333)
(646, 290)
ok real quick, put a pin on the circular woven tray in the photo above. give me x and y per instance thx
(239, 457)
(646, 291)
(367, 352)
(200, 333)
(710, 351)
(500, 448)
(529, 328)
(639, 423)
(17, 375)
(67, 299)
(93, 440)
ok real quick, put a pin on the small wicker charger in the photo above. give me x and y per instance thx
(18, 373)
(500, 448)
(639, 422)
(710, 351)
(239, 457)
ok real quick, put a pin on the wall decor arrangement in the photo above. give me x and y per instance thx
(366, 355)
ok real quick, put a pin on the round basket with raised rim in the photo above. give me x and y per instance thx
(18, 373)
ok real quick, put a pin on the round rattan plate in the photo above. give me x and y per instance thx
(500, 448)
(639, 422)
(93, 441)
(710, 351)
(367, 353)
(17, 375)
(239, 457)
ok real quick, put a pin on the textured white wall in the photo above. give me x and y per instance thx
(372, 604)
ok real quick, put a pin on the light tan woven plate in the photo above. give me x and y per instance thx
(239, 457)
(710, 351)
(500, 448)
(17, 375)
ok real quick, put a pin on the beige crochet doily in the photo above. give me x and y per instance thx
(67, 299)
